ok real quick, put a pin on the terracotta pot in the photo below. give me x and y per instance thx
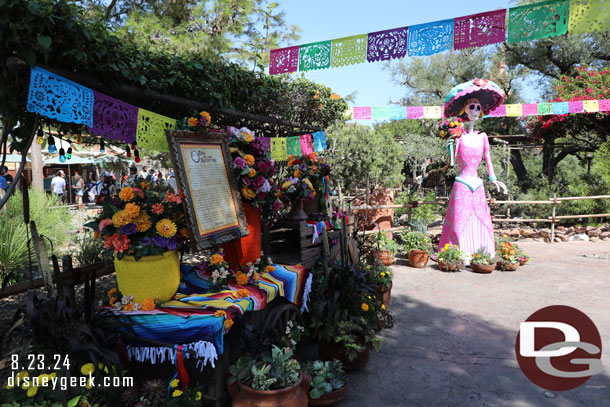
(507, 266)
(386, 257)
(483, 268)
(296, 214)
(248, 248)
(448, 266)
(384, 296)
(418, 259)
(293, 396)
(524, 261)
(330, 351)
(329, 399)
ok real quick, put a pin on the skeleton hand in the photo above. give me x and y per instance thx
(500, 185)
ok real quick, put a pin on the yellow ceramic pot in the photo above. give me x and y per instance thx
(150, 278)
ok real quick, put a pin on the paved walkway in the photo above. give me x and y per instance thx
(453, 344)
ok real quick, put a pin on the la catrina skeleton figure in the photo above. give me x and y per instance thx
(467, 223)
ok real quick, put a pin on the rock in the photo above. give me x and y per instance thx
(558, 240)
(581, 230)
(537, 239)
(544, 233)
(580, 237)
(522, 232)
(514, 232)
(594, 232)
(561, 228)
(570, 229)
(565, 238)
(590, 228)
(529, 239)
(604, 235)
(595, 239)
(606, 239)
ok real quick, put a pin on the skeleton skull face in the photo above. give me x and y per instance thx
(472, 108)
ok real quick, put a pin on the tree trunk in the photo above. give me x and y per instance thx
(37, 175)
(517, 162)
(548, 149)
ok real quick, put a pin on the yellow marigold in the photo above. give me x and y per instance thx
(198, 396)
(242, 292)
(174, 383)
(286, 184)
(32, 391)
(241, 278)
(145, 185)
(132, 210)
(364, 306)
(249, 160)
(193, 122)
(216, 259)
(142, 222)
(249, 138)
(382, 306)
(177, 393)
(220, 313)
(166, 228)
(111, 292)
(252, 173)
(128, 307)
(269, 268)
(297, 173)
(147, 305)
(206, 116)
(228, 323)
(121, 218)
(308, 182)
(126, 194)
(87, 368)
(248, 193)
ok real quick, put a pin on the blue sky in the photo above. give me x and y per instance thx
(322, 20)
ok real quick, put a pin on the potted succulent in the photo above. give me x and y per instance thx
(508, 260)
(380, 277)
(268, 380)
(418, 247)
(481, 262)
(386, 247)
(521, 255)
(450, 258)
(328, 382)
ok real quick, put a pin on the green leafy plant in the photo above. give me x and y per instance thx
(508, 254)
(381, 241)
(451, 255)
(88, 249)
(482, 257)
(325, 377)
(379, 275)
(521, 255)
(415, 241)
(266, 372)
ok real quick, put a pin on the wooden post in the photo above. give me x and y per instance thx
(409, 211)
(553, 218)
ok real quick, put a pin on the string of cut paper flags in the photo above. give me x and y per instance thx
(58, 98)
(523, 23)
(508, 110)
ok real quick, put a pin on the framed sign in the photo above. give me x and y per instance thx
(213, 203)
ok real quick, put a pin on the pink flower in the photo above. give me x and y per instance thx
(104, 223)
(589, 90)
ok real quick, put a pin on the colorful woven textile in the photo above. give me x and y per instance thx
(151, 130)
(315, 56)
(58, 98)
(387, 44)
(278, 149)
(349, 50)
(430, 38)
(293, 146)
(480, 29)
(114, 119)
(538, 20)
(319, 141)
(284, 60)
(589, 16)
(306, 144)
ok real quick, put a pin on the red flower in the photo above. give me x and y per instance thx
(157, 209)
(589, 90)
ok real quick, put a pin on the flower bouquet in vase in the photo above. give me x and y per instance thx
(297, 189)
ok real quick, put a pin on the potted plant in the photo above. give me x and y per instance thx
(328, 382)
(521, 255)
(450, 258)
(144, 227)
(386, 247)
(268, 380)
(481, 262)
(418, 247)
(508, 260)
(380, 277)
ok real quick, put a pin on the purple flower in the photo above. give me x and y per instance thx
(258, 182)
(145, 241)
(160, 241)
(239, 163)
(261, 195)
(246, 181)
(266, 187)
(262, 167)
(325, 169)
(128, 229)
(117, 202)
(276, 206)
(257, 148)
(172, 243)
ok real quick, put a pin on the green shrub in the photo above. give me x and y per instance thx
(423, 213)
(52, 223)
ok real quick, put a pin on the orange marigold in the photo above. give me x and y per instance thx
(255, 277)
(242, 292)
(111, 292)
(121, 218)
(126, 194)
(228, 323)
(193, 122)
(297, 173)
(249, 160)
(184, 232)
(252, 173)
(132, 210)
(147, 305)
(248, 193)
(142, 222)
(216, 259)
(269, 268)
(220, 313)
(112, 301)
(241, 278)
(128, 307)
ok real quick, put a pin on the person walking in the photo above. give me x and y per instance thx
(172, 182)
(58, 186)
(78, 185)
(133, 177)
(3, 186)
(92, 187)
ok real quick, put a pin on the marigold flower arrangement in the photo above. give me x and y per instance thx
(121, 302)
(302, 173)
(216, 270)
(201, 122)
(450, 127)
(254, 170)
(143, 220)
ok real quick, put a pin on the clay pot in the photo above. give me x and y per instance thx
(384, 296)
(483, 268)
(524, 261)
(293, 396)
(330, 351)
(296, 214)
(418, 259)
(448, 266)
(507, 266)
(329, 399)
(386, 257)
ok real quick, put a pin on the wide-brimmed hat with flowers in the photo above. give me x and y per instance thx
(489, 94)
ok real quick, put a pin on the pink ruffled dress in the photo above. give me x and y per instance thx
(468, 222)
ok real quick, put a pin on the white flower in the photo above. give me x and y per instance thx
(293, 342)
(215, 276)
(224, 272)
(137, 306)
(290, 324)
(125, 300)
